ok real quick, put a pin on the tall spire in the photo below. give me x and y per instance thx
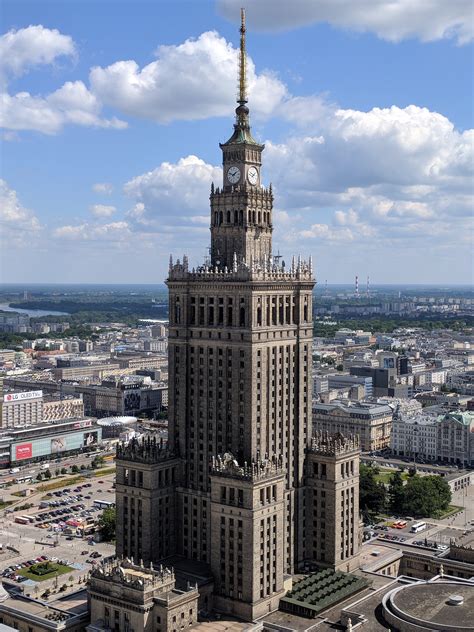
(242, 133)
(242, 62)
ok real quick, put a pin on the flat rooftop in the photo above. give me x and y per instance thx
(74, 604)
(430, 602)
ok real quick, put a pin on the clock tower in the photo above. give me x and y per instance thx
(239, 410)
(241, 211)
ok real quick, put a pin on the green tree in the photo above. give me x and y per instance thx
(74, 469)
(39, 476)
(48, 474)
(63, 470)
(425, 496)
(107, 522)
(395, 493)
(340, 367)
(372, 495)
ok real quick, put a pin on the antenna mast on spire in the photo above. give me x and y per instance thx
(242, 62)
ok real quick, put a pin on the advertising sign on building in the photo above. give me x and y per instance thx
(83, 424)
(20, 397)
(58, 444)
(23, 451)
(90, 438)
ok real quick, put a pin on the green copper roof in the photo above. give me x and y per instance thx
(241, 135)
(464, 418)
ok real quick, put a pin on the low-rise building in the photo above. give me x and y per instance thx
(370, 421)
(340, 381)
(66, 613)
(448, 438)
(22, 408)
(126, 596)
(415, 436)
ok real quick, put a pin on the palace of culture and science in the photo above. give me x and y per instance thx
(242, 489)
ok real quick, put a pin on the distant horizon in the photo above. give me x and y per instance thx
(318, 285)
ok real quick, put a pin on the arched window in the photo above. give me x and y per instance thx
(242, 317)
(221, 218)
(259, 315)
(228, 217)
(236, 217)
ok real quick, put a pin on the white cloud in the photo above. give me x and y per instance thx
(19, 226)
(115, 232)
(392, 20)
(72, 103)
(13, 214)
(392, 147)
(102, 210)
(173, 193)
(103, 188)
(32, 46)
(190, 81)
(393, 176)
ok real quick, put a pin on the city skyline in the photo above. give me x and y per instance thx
(370, 166)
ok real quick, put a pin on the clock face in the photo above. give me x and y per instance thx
(233, 175)
(252, 175)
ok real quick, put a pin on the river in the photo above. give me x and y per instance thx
(5, 307)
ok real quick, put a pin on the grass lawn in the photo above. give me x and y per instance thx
(452, 509)
(104, 472)
(59, 484)
(56, 570)
(384, 476)
(5, 503)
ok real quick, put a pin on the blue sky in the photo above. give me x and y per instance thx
(113, 111)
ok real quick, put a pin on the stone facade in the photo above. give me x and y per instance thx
(372, 423)
(240, 340)
(146, 479)
(332, 520)
(127, 597)
(248, 535)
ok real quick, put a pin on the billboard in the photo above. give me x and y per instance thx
(21, 397)
(55, 445)
(23, 451)
(58, 444)
(90, 438)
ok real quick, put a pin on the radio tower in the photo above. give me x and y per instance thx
(368, 287)
(357, 287)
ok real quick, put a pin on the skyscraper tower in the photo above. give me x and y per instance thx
(239, 368)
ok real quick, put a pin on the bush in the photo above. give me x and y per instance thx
(41, 569)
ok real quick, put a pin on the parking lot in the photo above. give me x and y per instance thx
(53, 531)
(434, 536)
